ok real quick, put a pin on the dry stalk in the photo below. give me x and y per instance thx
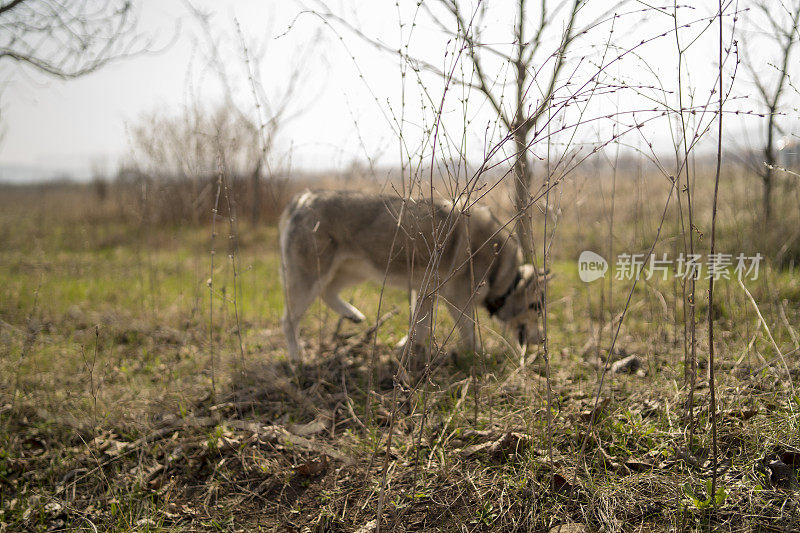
(712, 408)
(210, 282)
(771, 338)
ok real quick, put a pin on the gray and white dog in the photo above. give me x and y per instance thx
(334, 239)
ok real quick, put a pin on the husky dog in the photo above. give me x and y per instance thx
(334, 239)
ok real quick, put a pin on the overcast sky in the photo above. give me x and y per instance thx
(350, 102)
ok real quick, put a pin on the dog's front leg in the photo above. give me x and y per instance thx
(420, 327)
(461, 308)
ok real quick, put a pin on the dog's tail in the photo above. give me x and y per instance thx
(297, 202)
(290, 208)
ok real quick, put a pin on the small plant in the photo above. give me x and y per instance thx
(3, 464)
(485, 514)
(213, 439)
(715, 500)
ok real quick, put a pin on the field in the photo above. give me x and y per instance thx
(144, 383)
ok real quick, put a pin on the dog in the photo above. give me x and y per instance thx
(334, 239)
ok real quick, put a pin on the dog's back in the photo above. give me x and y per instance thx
(386, 231)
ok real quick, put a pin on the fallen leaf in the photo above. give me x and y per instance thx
(791, 458)
(586, 415)
(313, 467)
(639, 465)
(742, 414)
(561, 484)
(510, 443)
(369, 526)
(781, 475)
(628, 365)
(570, 527)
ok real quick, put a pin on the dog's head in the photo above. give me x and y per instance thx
(523, 305)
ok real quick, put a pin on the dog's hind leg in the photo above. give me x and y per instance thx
(298, 298)
(335, 302)
(330, 295)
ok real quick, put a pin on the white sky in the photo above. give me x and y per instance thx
(338, 117)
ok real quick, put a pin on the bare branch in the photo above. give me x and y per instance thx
(784, 30)
(483, 84)
(67, 39)
(9, 6)
(561, 53)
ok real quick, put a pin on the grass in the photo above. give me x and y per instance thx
(108, 417)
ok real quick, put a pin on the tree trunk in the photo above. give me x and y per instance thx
(520, 127)
(255, 183)
(769, 159)
(767, 201)
(522, 193)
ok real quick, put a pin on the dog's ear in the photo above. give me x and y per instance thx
(526, 272)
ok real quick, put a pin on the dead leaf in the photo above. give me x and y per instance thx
(53, 508)
(307, 430)
(312, 468)
(742, 414)
(510, 443)
(628, 365)
(650, 408)
(570, 527)
(781, 475)
(475, 449)
(639, 465)
(561, 484)
(791, 458)
(368, 527)
(586, 415)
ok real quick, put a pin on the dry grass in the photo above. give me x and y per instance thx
(108, 418)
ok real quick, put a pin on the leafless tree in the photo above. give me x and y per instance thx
(782, 27)
(536, 63)
(268, 114)
(528, 60)
(187, 144)
(67, 38)
(177, 157)
(235, 135)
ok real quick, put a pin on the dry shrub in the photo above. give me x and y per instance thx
(181, 201)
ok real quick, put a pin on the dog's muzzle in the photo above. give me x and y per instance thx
(528, 334)
(522, 338)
